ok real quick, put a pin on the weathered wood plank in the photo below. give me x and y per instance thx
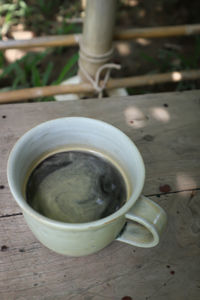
(168, 138)
(169, 271)
(165, 127)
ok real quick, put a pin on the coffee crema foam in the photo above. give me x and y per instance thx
(76, 186)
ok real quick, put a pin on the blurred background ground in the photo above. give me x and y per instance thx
(38, 67)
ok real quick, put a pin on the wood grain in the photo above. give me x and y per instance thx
(165, 127)
(168, 137)
(170, 271)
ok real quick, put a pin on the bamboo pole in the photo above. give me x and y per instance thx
(98, 26)
(31, 93)
(46, 41)
(157, 32)
(96, 41)
(37, 92)
(149, 80)
(122, 34)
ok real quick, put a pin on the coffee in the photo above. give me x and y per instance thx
(76, 187)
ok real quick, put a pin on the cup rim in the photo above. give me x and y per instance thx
(21, 201)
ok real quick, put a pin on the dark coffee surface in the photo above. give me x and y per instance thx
(76, 187)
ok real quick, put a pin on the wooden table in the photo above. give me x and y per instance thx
(166, 129)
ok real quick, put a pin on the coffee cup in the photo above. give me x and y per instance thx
(139, 221)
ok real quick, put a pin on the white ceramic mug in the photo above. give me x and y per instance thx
(139, 222)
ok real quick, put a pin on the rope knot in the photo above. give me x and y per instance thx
(99, 88)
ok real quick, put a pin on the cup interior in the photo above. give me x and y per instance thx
(80, 133)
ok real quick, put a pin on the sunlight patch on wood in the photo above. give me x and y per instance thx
(135, 117)
(160, 114)
(184, 181)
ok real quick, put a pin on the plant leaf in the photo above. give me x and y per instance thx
(35, 78)
(71, 62)
(47, 73)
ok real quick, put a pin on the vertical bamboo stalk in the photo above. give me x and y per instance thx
(98, 28)
(83, 4)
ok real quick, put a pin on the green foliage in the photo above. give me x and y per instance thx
(165, 59)
(12, 12)
(49, 17)
(169, 60)
(47, 73)
(65, 28)
(192, 61)
(27, 71)
(66, 69)
(23, 69)
(48, 8)
(37, 69)
(2, 60)
(38, 15)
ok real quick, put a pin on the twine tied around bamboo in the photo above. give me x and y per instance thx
(97, 59)
(96, 82)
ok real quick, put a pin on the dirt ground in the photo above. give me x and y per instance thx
(141, 56)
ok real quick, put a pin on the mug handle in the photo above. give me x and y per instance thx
(146, 221)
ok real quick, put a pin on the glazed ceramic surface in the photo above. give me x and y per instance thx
(139, 222)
